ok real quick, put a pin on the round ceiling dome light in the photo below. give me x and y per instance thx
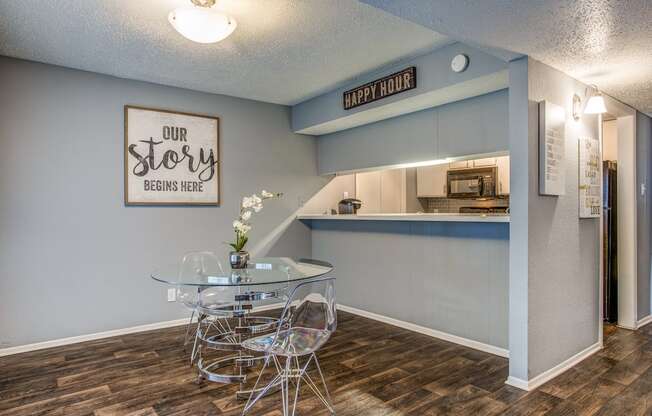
(200, 23)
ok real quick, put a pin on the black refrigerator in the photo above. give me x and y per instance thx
(610, 241)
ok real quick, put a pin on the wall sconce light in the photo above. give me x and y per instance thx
(577, 107)
(594, 104)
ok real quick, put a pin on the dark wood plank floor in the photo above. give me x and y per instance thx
(371, 368)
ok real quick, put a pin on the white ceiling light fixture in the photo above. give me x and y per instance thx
(202, 24)
(595, 103)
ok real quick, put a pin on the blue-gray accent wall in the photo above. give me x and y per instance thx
(433, 74)
(473, 126)
(447, 276)
(73, 259)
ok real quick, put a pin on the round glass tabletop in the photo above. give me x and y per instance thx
(261, 271)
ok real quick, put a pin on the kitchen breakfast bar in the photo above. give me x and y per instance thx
(445, 275)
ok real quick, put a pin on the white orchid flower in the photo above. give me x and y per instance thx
(247, 202)
(258, 207)
(256, 199)
(266, 194)
(246, 215)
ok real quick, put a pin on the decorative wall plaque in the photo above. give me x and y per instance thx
(552, 149)
(171, 158)
(381, 88)
(590, 192)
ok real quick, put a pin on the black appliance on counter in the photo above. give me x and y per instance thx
(609, 242)
(476, 183)
(349, 206)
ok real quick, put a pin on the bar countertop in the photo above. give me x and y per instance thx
(435, 217)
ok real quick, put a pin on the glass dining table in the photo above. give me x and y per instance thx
(222, 326)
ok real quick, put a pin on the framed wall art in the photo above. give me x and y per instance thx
(171, 158)
(552, 149)
(590, 178)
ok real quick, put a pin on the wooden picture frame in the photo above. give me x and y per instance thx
(169, 179)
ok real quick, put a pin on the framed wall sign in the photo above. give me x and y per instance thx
(590, 191)
(171, 158)
(552, 149)
(395, 83)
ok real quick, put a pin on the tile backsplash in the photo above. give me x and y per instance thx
(454, 205)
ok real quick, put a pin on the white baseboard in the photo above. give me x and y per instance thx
(167, 324)
(90, 337)
(112, 333)
(642, 322)
(554, 371)
(428, 331)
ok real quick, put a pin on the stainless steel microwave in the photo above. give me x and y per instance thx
(477, 183)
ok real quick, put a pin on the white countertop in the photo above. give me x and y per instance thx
(443, 217)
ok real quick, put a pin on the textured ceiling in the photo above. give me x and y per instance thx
(283, 51)
(605, 42)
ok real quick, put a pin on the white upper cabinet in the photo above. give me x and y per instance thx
(487, 161)
(461, 164)
(381, 191)
(503, 175)
(367, 190)
(431, 181)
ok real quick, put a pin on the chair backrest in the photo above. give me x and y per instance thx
(196, 263)
(312, 305)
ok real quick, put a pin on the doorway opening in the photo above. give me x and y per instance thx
(619, 233)
(610, 219)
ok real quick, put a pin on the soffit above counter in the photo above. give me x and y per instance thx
(436, 85)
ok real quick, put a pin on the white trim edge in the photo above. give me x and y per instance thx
(428, 331)
(554, 371)
(642, 322)
(112, 333)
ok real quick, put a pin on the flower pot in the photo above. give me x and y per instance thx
(239, 259)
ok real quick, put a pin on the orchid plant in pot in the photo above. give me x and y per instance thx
(242, 225)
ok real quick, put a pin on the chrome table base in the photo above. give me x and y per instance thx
(224, 329)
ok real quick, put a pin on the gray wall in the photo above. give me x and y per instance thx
(433, 73)
(519, 185)
(473, 126)
(73, 259)
(644, 212)
(554, 254)
(452, 277)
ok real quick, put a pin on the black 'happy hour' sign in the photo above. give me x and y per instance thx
(384, 87)
(171, 158)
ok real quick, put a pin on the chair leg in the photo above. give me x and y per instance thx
(326, 399)
(196, 347)
(286, 387)
(186, 339)
(253, 390)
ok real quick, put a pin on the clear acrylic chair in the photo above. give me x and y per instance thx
(196, 263)
(309, 319)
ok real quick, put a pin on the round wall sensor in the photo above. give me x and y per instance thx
(460, 63)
